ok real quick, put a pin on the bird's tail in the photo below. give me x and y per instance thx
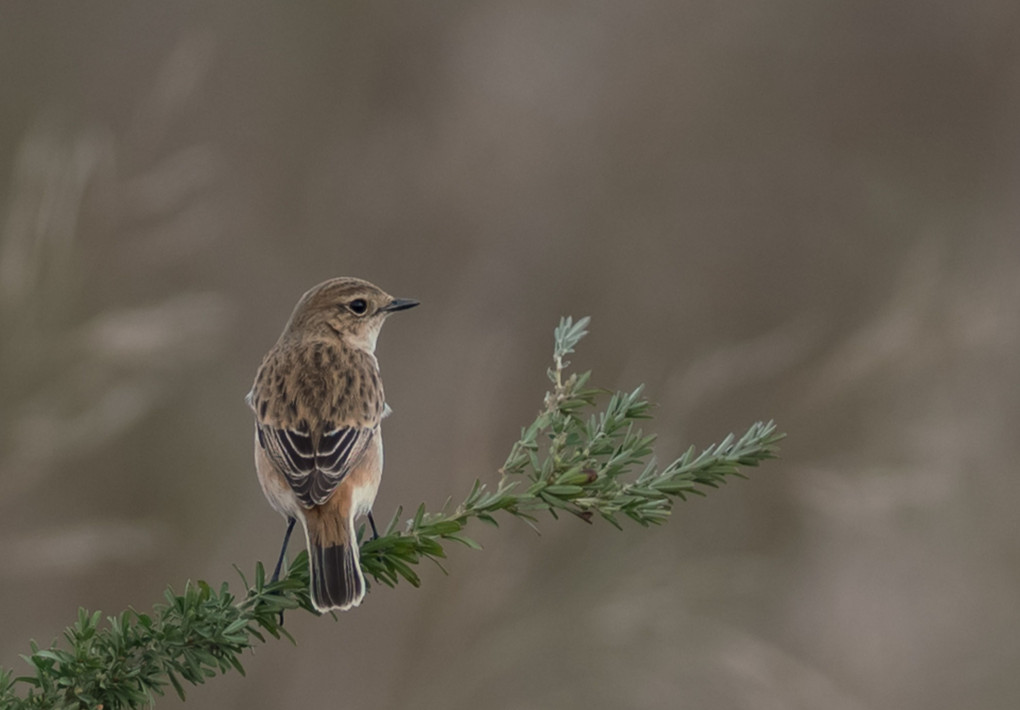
(337, 581)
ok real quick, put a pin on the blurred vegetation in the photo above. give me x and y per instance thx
(804, 209)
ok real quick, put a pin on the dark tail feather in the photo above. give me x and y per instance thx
(337, 582)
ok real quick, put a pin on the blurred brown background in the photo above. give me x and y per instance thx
(798, 210)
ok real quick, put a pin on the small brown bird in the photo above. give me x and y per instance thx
(318, 403)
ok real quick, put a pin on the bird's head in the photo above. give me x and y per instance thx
(347, 308)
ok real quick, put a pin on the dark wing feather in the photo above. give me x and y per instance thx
(314, 468)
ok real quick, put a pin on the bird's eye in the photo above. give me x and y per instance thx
(358, 306)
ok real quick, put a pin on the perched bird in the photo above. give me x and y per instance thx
(318, 403)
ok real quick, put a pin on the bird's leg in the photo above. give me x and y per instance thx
(371, 521)
(283, 550)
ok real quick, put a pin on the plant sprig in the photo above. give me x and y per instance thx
(573, 458)
(126, 663)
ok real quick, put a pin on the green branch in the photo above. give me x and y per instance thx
(574, 458)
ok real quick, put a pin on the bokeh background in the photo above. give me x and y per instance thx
(793, 210)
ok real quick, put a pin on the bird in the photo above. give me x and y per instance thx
(318, 403)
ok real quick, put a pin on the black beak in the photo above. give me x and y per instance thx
(399, 304)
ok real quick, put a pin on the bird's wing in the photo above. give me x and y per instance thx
(314, 468)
